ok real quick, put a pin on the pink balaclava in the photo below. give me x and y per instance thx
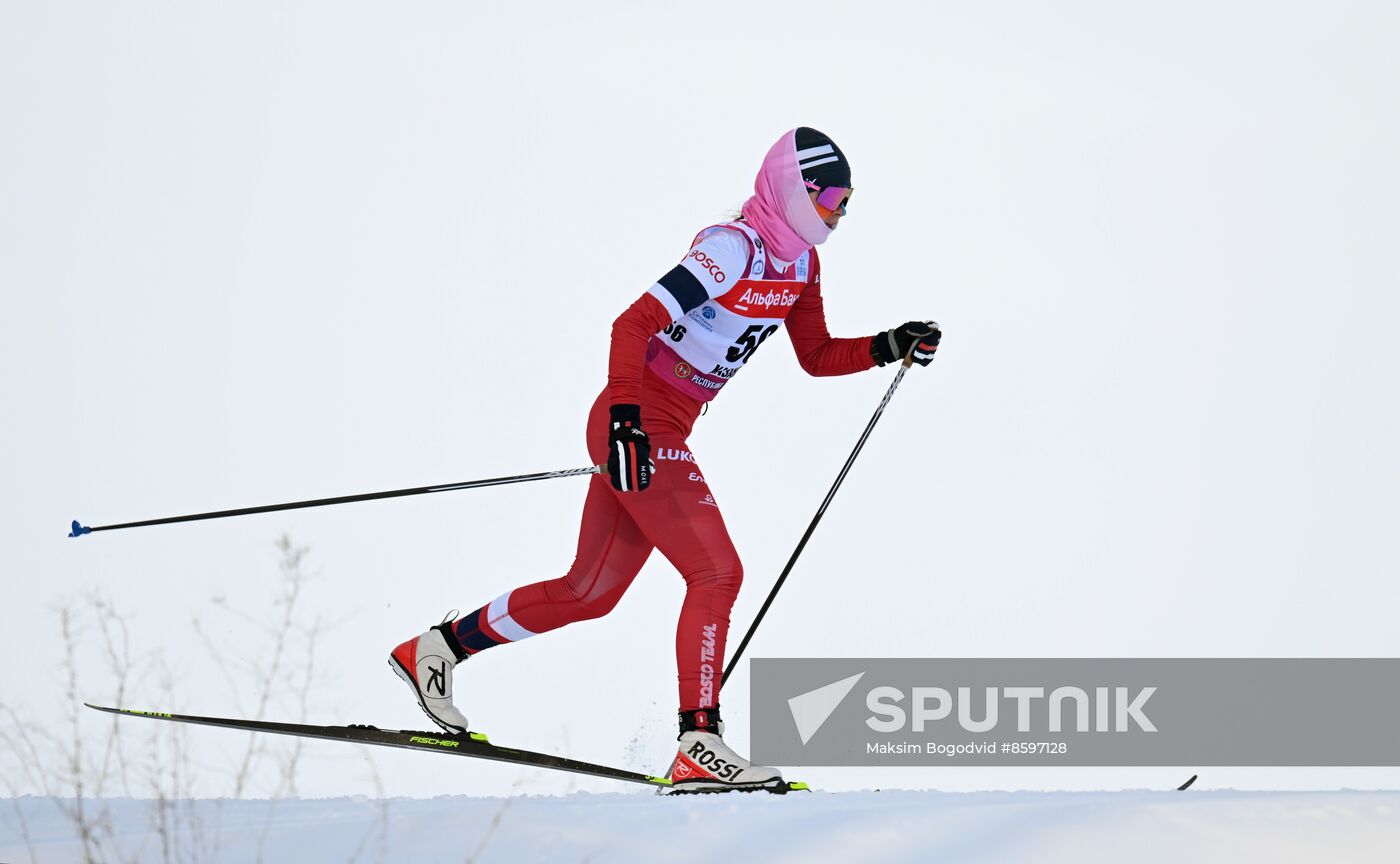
(780, 209)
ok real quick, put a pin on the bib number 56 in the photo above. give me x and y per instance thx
(748, 342)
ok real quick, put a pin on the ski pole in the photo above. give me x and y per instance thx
(80, 529)
(801, 544)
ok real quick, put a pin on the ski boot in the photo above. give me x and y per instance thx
(425, 663)
(704, 763)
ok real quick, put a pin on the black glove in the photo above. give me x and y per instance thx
(629, 450)
(894, 344)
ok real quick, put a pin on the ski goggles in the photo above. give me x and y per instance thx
(833, 199)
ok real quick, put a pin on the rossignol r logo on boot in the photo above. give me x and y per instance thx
(681, 770)
(437, 677)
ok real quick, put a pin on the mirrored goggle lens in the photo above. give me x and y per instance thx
(834, 198)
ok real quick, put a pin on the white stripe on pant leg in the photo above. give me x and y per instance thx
(498, 617)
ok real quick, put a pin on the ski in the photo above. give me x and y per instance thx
(474, 745)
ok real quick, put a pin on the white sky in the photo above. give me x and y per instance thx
(263, 251)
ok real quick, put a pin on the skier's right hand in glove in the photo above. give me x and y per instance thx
(916, 340)
(629, 450)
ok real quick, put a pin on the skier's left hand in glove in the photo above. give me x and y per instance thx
(629, 450)
(895, 344)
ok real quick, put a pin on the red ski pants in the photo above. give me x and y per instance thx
(675, 514)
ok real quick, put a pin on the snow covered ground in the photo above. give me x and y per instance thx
(875, 826)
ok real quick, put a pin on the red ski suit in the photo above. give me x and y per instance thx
(677, 513)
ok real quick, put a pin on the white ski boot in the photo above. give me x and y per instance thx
(425, 663)
(704, 763)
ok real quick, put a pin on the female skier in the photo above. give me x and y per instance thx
(672, 351)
